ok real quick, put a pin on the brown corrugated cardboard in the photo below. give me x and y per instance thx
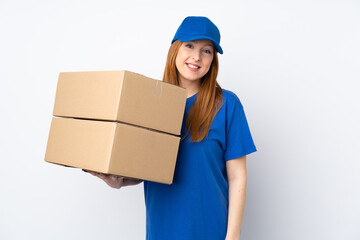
(113, 148)
(121, 96)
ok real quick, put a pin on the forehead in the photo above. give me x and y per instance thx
(203, 42)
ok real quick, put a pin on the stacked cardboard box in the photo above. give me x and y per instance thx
(117, 122)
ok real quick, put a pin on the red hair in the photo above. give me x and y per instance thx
(209, 98)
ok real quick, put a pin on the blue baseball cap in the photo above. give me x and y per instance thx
(195, 28)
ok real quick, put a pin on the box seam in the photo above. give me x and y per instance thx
(120, 94)
(109, 158)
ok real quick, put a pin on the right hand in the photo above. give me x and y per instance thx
(113, 180)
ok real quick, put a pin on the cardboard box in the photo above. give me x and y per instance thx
(114, 148)
(121, 96)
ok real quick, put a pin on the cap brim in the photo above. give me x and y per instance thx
(192, 38)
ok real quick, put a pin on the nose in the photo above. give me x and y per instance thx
(196, 55)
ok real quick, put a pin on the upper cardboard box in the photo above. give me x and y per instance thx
(121, 96)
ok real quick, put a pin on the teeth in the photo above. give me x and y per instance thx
(192, 66)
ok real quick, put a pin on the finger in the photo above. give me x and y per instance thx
(101, 176)
(91, 172)
(128, 181)
(114, 181)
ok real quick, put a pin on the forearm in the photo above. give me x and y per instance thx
(237, 197)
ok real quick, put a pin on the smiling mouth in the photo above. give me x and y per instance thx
(192, 66)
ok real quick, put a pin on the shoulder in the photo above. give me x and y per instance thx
(231, 99)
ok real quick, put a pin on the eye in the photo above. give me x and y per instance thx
(207, 51)
(189, 45)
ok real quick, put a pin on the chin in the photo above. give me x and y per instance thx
(193, 79)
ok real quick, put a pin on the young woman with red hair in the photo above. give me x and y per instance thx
(207, 197)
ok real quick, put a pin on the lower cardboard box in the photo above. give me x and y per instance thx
(113, 148)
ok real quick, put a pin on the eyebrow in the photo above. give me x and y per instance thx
(208, 44)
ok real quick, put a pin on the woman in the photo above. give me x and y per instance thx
(207, 197)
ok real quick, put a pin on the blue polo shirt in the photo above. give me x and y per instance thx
(195, 206)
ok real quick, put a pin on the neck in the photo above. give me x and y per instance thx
(192, 86)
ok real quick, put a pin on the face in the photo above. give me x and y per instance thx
(194, 59)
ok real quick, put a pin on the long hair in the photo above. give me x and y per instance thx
(209, 98)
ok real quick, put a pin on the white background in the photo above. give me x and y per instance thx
(294, 65)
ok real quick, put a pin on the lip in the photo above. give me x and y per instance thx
(192, 69)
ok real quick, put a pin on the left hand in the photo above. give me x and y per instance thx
(115, 181)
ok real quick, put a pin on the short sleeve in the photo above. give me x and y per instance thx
(238, 138)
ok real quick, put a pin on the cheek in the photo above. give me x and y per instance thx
(179, 59)
(208, 63)
(177, 63)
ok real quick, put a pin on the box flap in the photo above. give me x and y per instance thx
(93, 95)
(152, 103)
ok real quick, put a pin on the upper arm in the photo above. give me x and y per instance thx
(236, 168)
(238, 139)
